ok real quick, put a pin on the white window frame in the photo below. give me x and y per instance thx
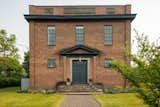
(79, 35)
(53, 36)
(108, 64)
(53, 63)
(108, 34)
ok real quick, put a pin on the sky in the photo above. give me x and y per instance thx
(147, 20)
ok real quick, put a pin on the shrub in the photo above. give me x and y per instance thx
(110, 90)
(39, 91)
(118, 89)
(130, 89)
(9, 81)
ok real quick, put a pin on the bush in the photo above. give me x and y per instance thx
(9, 81)
(38, 91)
(109, 90)
(113, 90)
(120, 89)
(130, 89)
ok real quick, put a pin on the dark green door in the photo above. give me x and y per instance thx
(79, 72)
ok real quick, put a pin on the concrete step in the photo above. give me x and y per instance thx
(79, 93)
(79, 88)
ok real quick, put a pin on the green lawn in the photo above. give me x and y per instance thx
(119, 100)
(9, 98)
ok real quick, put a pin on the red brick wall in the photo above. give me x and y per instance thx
(59, 10)
(40, 52)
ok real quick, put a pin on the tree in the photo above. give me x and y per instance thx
(145, 75)
(12, 74)
(12, 67)
(26, 63)
(7, 45)
(8, 50)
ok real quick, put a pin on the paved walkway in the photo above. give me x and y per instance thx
(79, 101)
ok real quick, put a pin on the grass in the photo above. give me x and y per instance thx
(119, 100)
(9, 98)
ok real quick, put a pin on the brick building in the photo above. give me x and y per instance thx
(77, 43)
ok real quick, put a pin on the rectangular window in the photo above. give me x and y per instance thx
(51, 63)
(108, 35)
(110, 10)
(48, 11)
(51, 35)
(79, 10)
(79, 35)
(107, 63)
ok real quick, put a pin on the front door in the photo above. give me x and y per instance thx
(79, 72)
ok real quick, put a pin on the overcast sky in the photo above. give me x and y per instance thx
(12, 19)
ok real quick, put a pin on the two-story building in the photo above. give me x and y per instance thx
(77, 43)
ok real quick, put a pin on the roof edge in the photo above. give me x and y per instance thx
(29, 17)
(76, 5)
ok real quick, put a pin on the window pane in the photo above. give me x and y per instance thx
(110, 10)
(79, 35)
(108, 63)
(51, 35)
(48, 10)
(107, 35)
(51, 63)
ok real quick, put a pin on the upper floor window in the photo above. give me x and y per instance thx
(110, 10)
(79, 35)
(48, 11)
(108, 35)
(51, 35)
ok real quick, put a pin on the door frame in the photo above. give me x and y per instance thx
(88, 63)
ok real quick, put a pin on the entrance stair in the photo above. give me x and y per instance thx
(80, 89)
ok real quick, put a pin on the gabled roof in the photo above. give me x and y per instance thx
(80, 17)
(85, 51)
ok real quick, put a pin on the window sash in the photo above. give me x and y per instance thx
(107, 63)
(51, 63)
(107, 35)
(110, 10)
(51, 35)
(79, 35)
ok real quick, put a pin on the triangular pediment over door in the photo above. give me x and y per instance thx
(79, 50)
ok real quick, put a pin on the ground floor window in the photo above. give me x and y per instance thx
(51, 63)
(107, 63)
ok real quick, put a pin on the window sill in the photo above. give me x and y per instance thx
(107, 67)
(108, 44)
(52, 67)
(51, 45)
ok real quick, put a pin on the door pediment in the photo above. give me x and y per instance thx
(79, 50)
